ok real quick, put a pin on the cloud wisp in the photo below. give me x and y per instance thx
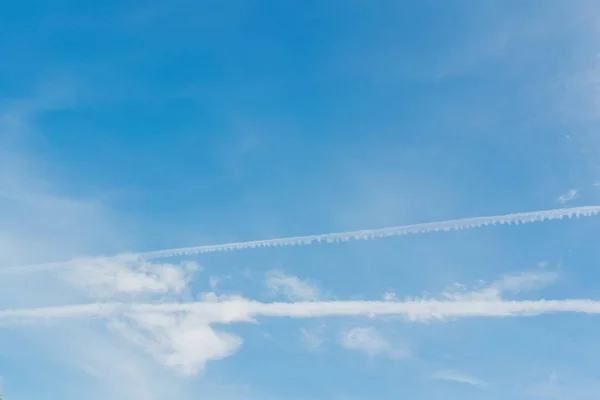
(314, 337)
(568, 197)
(368, 234)
(513, 283)
(292, 287)
(370, 341)
(458, 377)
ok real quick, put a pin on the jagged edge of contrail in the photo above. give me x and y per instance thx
(367, 234)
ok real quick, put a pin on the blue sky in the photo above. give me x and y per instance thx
(128, 127)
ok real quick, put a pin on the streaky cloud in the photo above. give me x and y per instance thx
(458, 377)
(244, 310)
(367, 234)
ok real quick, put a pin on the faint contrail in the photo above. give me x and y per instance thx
(368, 234)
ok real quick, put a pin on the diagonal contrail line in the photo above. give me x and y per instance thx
(367, 234)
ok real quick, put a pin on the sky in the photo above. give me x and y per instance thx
(130, 129)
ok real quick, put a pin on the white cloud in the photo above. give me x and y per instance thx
(514, 283)
(228, 310)
(370, 341)
(524, 281)
(389, 296)
(182, 341)
(181, 335)
(455, 376)
(569, 196)
(127, 274)
(291, 286)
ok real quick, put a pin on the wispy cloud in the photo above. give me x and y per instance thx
(547, 389)
(568, 197)
(183, 341)
(313, 337)
(40, 222)
(213, 282)
(564, 388)
(389, 296)
(118, 369)
(513, 283)
(458, 377)
(128, 275)
(370, 341)
(292, 287)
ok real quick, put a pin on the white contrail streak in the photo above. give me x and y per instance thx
(241, 310)
(368, 234)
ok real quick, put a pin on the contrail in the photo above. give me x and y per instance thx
(244, 310)
(367, 234)
(370, 234)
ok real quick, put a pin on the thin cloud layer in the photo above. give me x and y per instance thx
(513, 284)
(370, 341)
(292, 287)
